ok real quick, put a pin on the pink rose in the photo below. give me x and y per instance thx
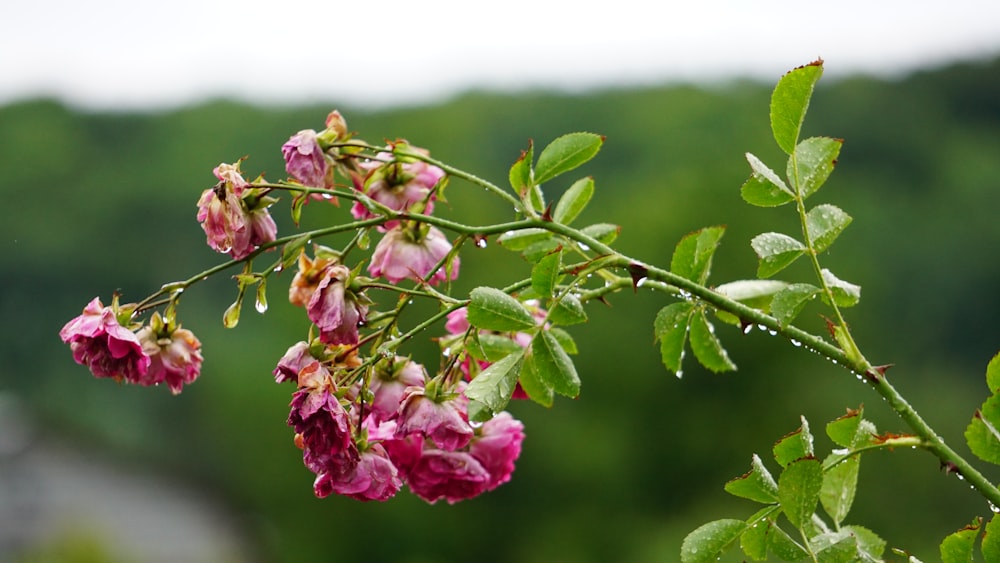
(175, 358)
(304, 159)
(335, 309)
(373, 478)
(390, 381)
(453, 476)
(322, 428)
(444, 422)
(108, 349)
(497, 446)
(403, 254)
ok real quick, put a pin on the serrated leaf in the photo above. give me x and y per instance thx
(957, 547)
(799, 487)
(573, 201)
(784, 546)
(870, 545)
(492, 309)
(991, 540)
(795, 445)
(603, 232)
(536, 251)
(756, 485)
(844, 429)
(983, 433)
(565, 340)
(520, 172)
(554, 366)
(812, 164)
(993, 374)
(840, 483)
(751, 292)
(788, 303)
(494, 385)
(692, 258)
(706, 345)
(523, 238)
(835, 547)
(671, 329)
(824, 223)
(538, 390)
(765, 188)
(545, 273)
(845, 294)
(493, 347)
(776, 251)
(710, 540)
(789, 103)
(568, 310)
(566, 153)
(753, 541)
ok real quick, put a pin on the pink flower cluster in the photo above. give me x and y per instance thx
(157, 353)
(408, 431)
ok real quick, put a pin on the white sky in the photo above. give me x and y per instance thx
(139, 54)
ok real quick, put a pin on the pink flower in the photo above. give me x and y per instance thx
(404, 254)
(108, 349)
(373, 478)
(390, 381)
(304, 159)
(453, 476)
(322, 428)
(335, 309)
(175, 355)
(400, 186)
(444, 422)
(234, 216)
(497, 446)
(289, 366)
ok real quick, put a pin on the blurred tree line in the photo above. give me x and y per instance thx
(94, 202)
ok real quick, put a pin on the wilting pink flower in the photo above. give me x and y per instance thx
(497, 446)
(322, 428)
(453, 476)
(175, 357)
(335, 309)
(390, 381)
(304, 159)
(400, 186)
(108, 349)
(234, 217)
(444, 422)
(403, 254)
(374, 477)
(289, 366)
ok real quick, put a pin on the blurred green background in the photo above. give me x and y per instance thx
(98, 202)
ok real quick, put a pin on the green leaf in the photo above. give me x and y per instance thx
(709, 541)
(755, 293)
(799, 487)
(824, 223)
(494, 385)
(492, 309)
(567, 311)
(983, 433)
(538, 390)
(706, 345)
(603, 232)
(753, 541)
(493, 347)
(541, 249)
(565, 340)
(789, 103)
(812, 164)
(870, 545)
(835, 547)
(554, 366)
(520, 172)
(692, 257)
(840, 483)
(764, 188)
(573, 201)
(788, 303)
(545, 273)
(784, 546)
(756, 485)
(993, 374)
(523, 238)
(957, 547)
(795, 445)
(671, 329)
(845, 294)
(566, 153)
(292, 249)
(843, 430)
(991, 540)
(776, 251)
